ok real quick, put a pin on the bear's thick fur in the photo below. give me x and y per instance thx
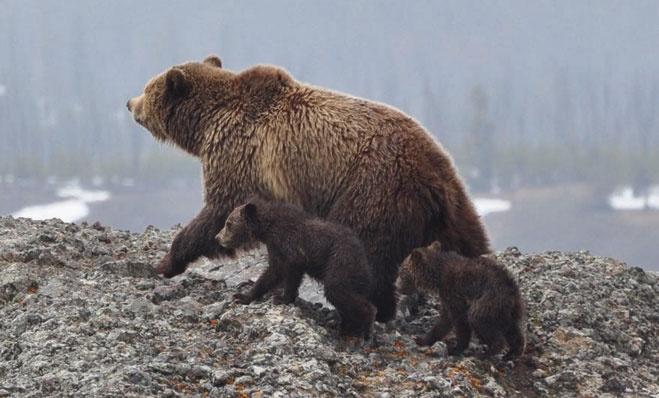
(477, 294)
(359, 163)
(299, 244)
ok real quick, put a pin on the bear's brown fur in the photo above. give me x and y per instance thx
(359, 163)
(477, 294)
(299, 244)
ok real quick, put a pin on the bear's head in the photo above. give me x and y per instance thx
(238, 229)
(169, 107)
(419, 269)
(181, 104)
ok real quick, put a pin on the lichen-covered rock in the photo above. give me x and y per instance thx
(82, 314)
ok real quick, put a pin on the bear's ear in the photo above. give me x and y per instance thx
(436, 246)
(213, 60)
(250, 212)
(178, 84)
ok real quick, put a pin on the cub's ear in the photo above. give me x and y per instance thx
(416, 256)
(436, 246)
(213, 60)
(250, 211)
(178, 84)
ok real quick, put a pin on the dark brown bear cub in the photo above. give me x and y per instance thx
(297, 244)
(476, 293)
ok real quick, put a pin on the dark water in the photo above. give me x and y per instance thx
(562, 218)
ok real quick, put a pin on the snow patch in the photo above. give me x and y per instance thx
(69, 210)
(485, 206)
(624, 199)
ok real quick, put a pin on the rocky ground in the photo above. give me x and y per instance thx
(82, 313)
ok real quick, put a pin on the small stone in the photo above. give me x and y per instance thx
(136, 376)
(141, 306)
(97, 226)
(214, 310)
(199, 372)
(258, 370)
(167, 293)
(613, 385)
(220, 377)
(244, 380)
(189, 309)
(47, 238)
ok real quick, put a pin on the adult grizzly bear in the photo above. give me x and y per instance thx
(359, 163)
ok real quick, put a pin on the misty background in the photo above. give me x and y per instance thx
(548, 108)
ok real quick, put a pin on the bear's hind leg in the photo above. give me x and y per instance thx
(384, 298)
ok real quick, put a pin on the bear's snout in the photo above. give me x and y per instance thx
(134, 106)
(220, 238)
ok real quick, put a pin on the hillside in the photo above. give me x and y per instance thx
(81, 312)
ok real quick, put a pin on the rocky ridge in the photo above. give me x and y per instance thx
(83, 314)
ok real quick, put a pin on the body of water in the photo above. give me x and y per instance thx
(553, 218)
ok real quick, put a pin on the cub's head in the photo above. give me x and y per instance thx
(170, 106)
(238, 229)
(419, 269)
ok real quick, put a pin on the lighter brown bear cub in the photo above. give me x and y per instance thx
(299, 244)
(355, 162)
(477, 294)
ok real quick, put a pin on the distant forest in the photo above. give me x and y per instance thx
(520, 94)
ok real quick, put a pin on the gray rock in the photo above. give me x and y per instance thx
(135, 269)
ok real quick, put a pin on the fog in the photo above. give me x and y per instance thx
(549, 109)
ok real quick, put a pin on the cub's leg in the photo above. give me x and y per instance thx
(292, 283)
(357, 312)
(438, 331)
(462, 332)
(269, 279)
(516, 341)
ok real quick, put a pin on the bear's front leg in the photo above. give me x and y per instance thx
(195, 240)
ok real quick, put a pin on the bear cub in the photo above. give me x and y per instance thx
(299, 244)
(476, 293)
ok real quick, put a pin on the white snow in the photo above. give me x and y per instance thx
(624, 199)
(3, 90)
(67, 210)
(72, 209)
(485, 206)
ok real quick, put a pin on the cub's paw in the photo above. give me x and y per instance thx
(455, 351)
(424, 341)
(280, 299)
(241, 298)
